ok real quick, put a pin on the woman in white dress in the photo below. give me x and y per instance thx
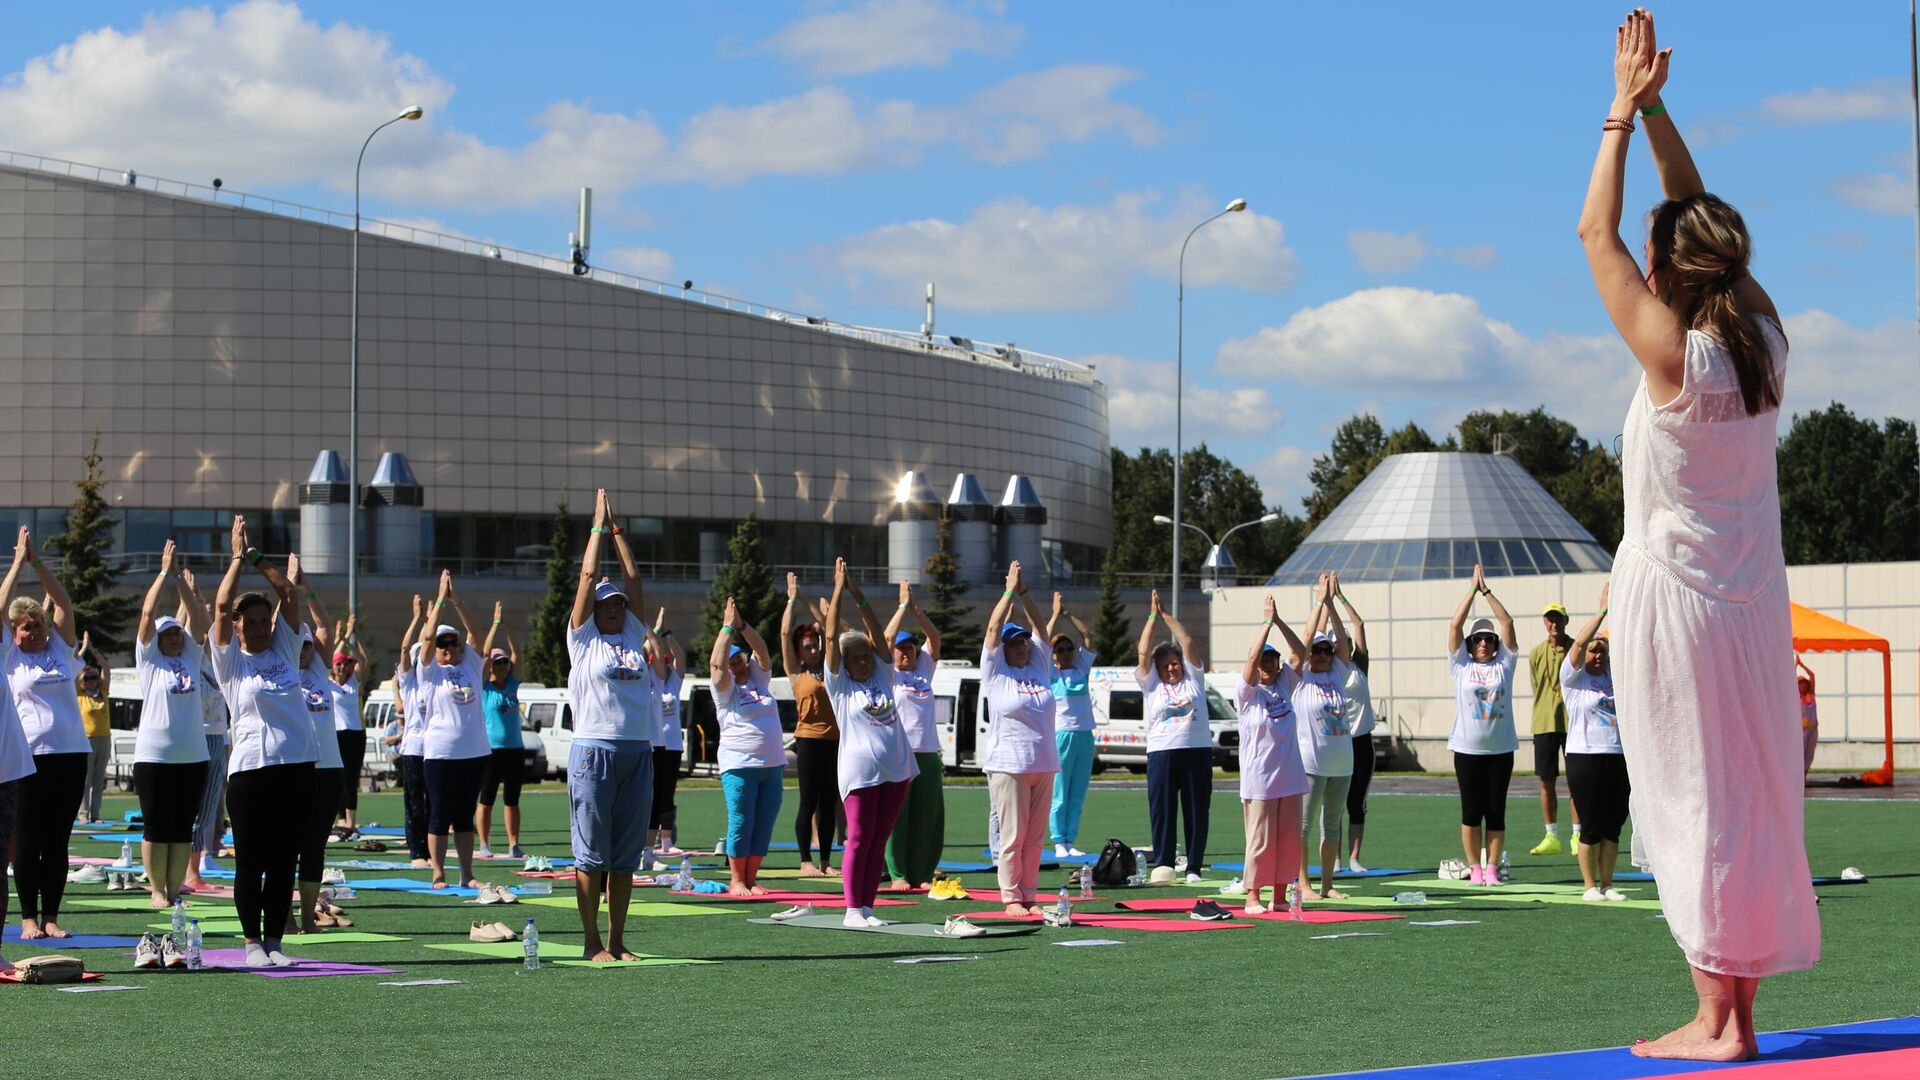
(1703, 642)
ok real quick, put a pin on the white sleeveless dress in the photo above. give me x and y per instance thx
(1703, 673)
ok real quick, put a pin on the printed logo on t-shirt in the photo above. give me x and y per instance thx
(913, 684)
(49, 668)
(1279, 706)
(1070, 684)
(1179, 704)
(273, 676)
(1489, 691)
(180, 680)
(1603, 712)
(878, 708)
(1332, 708)
(460, 691)
(751, 696)
(1033, 688)
(625, 664)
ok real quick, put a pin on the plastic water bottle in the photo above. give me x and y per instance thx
(1297, 902)
(1413, 897)
(126, 853)
(1506, 868)
(684, 880)
(1066, 902)
(530, 948)
(1086, 883)
(193, 945)
(180, 919)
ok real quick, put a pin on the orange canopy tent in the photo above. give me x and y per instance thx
(1816, 632)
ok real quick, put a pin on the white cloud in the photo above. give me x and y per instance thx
(1140, 405)
(1283, 477)
(1014, 255)
(1877, 192)
(261, 95)
(1872, 100)
(1395, 333)
(884, 34)
(1379, 252)
(644, 261)
(1871, 369)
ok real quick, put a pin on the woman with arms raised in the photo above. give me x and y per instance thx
(170, 752)
(1703, 647)
(920, 831)
(1179, 744)
(1022, 758)
(752, 754)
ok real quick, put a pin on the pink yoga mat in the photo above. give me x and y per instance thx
(992, 896)
(1177, 904)
(817, 899)
(216, 892)
(1884, 1065)
(1119, 922)
(236, 960)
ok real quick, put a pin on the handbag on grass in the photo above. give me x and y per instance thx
(49, 969)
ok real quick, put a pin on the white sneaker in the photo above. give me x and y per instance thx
(1236, 887)
(1593, 896)
(86, 875)
(146, 954)
(333, 875)
(1180, 864)
(853, 920)
(1453, 869)
(1614, 895)
(1075, 852)
(958, 926)
(483, 852)
(1054, 917)
(798, 911)
(115, 882)
(170, 954)
(1193, 879)
(1062, 851)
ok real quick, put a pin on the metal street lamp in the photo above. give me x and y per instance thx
(1218, 559)
(411, 112)
(1179, 380)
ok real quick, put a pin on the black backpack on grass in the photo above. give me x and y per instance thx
(1117, 863)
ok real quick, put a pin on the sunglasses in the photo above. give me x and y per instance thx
(1323, 650)
(446, 642)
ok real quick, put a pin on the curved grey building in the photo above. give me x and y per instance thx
(204, 336)
(1434, 515)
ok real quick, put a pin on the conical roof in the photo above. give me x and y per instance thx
(1434, 515)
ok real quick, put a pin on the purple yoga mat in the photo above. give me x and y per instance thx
(236, 960)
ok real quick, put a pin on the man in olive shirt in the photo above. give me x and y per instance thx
(1550, 726)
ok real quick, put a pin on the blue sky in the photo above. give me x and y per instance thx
(1414, 173)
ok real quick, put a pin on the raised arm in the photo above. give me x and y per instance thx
(1456, 630)
(59, 605)
(789, 659)
(407, 639)
(325, 641)
(351, 635)
(222, 631)
(493, 629)
(1034, 622)
(830, 645)
(722, 642)
(932, 646)
(669, 656)
(756, 644)
(1143, 653)
(430, 626)
(590, 563)
(1805, 671)
(629, 569)
(22, 552)
(1342, 644)
(1185, 640)
(195, 609)
(868, 619)
(1053, 619)
(156, 595)
(1359, 628)
(1678, 176)
(1499, 609)
(467, 625)
(1650, 329)
(1577, 652)
(1251, 673)
(899, 617)
(1002, 607)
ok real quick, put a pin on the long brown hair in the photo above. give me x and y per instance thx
(1704, 242)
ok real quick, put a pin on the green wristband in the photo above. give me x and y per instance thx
(725, 629)
(254, 556)
(1655, 109)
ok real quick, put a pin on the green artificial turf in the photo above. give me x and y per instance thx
(782, 1002)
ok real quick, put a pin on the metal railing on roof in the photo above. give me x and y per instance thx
(989, 354)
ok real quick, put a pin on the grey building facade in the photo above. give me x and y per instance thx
(207, 346)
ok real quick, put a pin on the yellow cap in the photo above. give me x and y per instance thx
(1555, 609)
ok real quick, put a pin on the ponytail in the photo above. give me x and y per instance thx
(1704, 243)
(1719, 313)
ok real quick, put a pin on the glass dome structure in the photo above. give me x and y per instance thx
(1433, 515)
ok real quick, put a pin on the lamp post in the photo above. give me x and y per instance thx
(1179, 380)
(411, 112)
(1216, 553)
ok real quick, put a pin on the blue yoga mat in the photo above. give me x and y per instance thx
(787, 845)
(1372, 871)
(1809, 1044)
(383, 830)
(1055, 860)
(115, 838)
(966, 867)
(77, 941)
(415, 885)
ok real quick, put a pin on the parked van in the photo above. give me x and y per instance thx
(1120, 724)
(548, 710)
(378, 712)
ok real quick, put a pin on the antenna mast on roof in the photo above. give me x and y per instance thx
(1500, 443)
(926, 328)
(579, 242)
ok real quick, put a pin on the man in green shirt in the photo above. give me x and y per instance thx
(1550, 726)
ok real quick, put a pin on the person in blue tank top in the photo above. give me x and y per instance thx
(500, 700)
(1073, 727)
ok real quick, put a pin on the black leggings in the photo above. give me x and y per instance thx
(453, 793)
(413, 780)
(1483, 780)
(666, 780)
(270, 807)
(1599, 786)
(1362, 779)
(817, 765)
(9, 805)
(321, 810)
(505, 766)
(353, 755)
(170, 794)
(49, 799)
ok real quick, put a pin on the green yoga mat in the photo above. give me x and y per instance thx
(1501, 897)
(514, 950)
(638, 908)
(141, 903)
(920, 930)
(1511, 887)
(651, 961)
(1375, 902)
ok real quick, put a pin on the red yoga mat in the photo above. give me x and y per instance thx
(16, 977)
(1884, 1065)
(817, 899)
(1177, 904)
(1119, 922)
(992, 896)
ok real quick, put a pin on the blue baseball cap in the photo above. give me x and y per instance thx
(1011, 631)
(905, 636)
(734, 650)
(1268, 650)
(607, 590)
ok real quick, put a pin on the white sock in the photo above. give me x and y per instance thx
(1553, 829)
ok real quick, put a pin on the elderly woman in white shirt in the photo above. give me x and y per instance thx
(753, 753)
(457, 750)
(170, 760)
(1017, 680)
(1272, 778)
(1179, 744)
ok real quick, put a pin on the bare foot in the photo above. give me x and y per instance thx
(737, 888)
(1018, 910)
(1694, 1042)
(421, 864)
(627, 956)
(54, 931)
(1332, 894)
(758, 890)
(901, 885)
(831, 872)
(1256, 909)
(474, 883)
(159, 902)
(30, 930)
(439, 882)
(602, 956)
(807, 869)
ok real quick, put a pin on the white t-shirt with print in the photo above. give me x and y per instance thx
(264, 703)
(671, 735)
(874, 749)
(413, 735)
(1176, 712)
(213, 707)
(1326, 740)
(172, 724)
(316, 689)
(913, 693)
(1020, 711)
(614, 691)
(1360, 718)
(346, 704)
(1482, 703)
(750, 736)
(1592, 726)
(1072, 702)
(1270, 765)
(449, 694)
(45, 698)
(16, 757)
